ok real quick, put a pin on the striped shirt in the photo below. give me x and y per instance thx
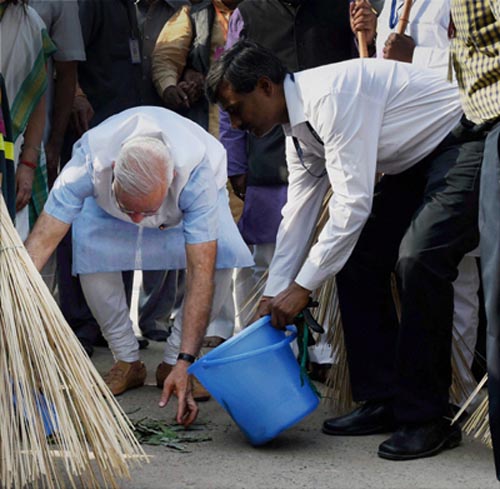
(476, 57)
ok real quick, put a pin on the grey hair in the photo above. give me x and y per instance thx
(242, 66)
(142, 163)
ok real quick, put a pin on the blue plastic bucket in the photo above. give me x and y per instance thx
(255, 377)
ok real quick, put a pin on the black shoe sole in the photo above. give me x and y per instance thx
(373, 430)
(452, 441)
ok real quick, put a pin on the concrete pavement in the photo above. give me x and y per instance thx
(301, 457)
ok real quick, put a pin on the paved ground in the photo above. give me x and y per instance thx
(301, 457)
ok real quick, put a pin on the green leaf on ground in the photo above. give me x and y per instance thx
(159, 433)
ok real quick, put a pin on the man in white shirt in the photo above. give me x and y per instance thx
(345, 123)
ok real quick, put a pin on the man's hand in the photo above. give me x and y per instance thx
(176, 97)
(196, 82)
(399, 48)
(263, 309)
(239, 184)
(288, 304)
(81, 114)
(24, 185)
(178, 383)
(363, 18)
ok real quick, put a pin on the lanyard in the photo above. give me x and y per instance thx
(393, 19)
(300, 152)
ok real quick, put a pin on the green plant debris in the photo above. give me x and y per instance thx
(159, 433)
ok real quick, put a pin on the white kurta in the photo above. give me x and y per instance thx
(195, 210)
(372, 116)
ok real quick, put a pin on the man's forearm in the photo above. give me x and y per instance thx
(46, 235)
(199, 296)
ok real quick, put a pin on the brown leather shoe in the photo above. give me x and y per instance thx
(162, 372)
(200, 394)
(124, 376)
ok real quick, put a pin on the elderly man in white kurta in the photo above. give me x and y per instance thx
(146, 190)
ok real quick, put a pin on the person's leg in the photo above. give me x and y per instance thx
(367, 308)
(442, 231)
(364, 286)
(222, 293)
(105, 295)
(490, 267)
(222, 321)
(71, 299)
(157, 299)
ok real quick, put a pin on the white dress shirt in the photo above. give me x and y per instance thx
(428, 26)
(372, 116)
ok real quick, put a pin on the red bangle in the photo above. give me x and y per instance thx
(29, 164)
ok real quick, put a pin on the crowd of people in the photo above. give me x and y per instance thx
(196, 141)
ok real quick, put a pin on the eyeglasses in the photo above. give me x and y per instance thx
(141, 213)
(129, 212)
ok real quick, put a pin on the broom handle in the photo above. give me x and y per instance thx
(405, 17)
(362, 46)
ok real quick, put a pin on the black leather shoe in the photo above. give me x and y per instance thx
(156, 334)
(370, 418)
(422, 440)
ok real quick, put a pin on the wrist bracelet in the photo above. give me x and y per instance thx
(186, 357)
(29, 164)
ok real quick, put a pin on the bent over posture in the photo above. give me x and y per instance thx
(344, 124)
(145, 189)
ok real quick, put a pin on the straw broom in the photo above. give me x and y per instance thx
(328, 315)
(46, 373)
(478, 425)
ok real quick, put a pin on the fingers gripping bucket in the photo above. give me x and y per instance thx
(257, 380)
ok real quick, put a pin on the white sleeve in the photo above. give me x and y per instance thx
(304, 199)
(436, 59)
(349, 126)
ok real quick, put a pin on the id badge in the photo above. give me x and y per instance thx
(135, 52)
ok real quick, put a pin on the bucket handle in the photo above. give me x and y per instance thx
(243, 356)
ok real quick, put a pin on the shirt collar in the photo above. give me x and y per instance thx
(294, 104)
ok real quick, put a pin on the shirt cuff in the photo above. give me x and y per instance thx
(310, 276)
(275, 284)
(57, 210)
(168, 81)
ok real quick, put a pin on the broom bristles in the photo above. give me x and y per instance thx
(46, 372)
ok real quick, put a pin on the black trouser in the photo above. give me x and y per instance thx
(490, 264)
(423, 221)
